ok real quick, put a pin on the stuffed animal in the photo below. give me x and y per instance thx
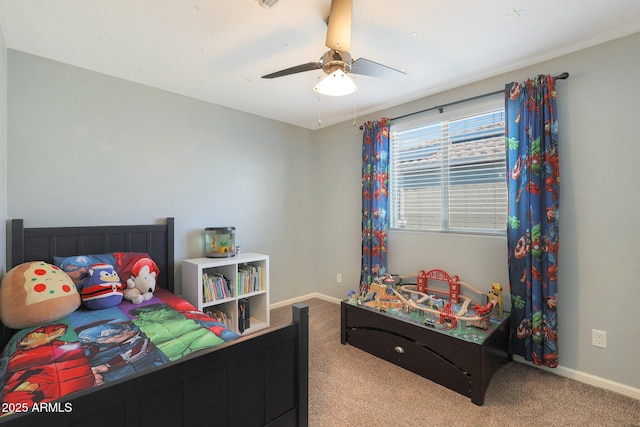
(102, 288)
(142, 283)
(36, 292)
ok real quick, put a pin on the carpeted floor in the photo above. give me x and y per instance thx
(348, 387)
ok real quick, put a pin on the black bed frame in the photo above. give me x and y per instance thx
(258, 380)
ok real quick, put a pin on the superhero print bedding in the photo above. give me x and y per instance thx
(88, 347)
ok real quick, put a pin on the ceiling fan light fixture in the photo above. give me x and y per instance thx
(337, 83)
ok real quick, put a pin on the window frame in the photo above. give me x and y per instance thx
(436, 117)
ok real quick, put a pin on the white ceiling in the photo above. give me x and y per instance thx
(217, 50)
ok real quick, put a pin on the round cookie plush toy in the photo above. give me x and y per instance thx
(36, 292)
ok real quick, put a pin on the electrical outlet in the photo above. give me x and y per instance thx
(599, 338)
(338, 278)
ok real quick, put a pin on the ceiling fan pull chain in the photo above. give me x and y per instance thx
(355, 114)
(319, 121)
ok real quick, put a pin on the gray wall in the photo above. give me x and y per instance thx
(88, 149)
(599, 259)
(3, 151)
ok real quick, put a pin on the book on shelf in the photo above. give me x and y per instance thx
(250, 278)
(219, 316)
(244, 314)
(215, 287)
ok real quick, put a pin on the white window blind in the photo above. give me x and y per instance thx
(447, 170)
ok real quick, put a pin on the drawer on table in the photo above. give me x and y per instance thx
(412, 356)
(458, 352)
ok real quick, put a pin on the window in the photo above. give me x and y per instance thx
(447, 170)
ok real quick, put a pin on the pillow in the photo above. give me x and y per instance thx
(36, 292)
(77, 266)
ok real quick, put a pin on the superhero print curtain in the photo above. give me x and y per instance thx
(375, 201)
(532, 231)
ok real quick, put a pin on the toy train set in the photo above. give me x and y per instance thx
(441, 308)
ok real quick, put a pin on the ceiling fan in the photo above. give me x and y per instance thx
(337, 62)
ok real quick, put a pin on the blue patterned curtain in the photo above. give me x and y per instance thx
(375, 201)
(532, 232)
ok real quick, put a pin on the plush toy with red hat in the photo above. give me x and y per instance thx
(142, 283)
(102, 288)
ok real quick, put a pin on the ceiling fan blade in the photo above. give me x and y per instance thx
(369, 68)
(309, 66)
(339, 29)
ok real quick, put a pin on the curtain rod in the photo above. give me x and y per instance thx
(562, 76)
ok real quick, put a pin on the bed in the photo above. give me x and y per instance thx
(255, 380)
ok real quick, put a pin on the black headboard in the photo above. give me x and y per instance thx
(41, 244)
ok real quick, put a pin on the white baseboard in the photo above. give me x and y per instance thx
(562, 371)
(303, 298)
(586, 378)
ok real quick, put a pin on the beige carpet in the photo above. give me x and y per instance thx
(348, 387)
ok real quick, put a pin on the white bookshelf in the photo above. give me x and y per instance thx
(255, 290)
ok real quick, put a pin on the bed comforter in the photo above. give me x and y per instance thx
(92, 347)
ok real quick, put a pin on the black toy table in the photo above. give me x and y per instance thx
(462, 359)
